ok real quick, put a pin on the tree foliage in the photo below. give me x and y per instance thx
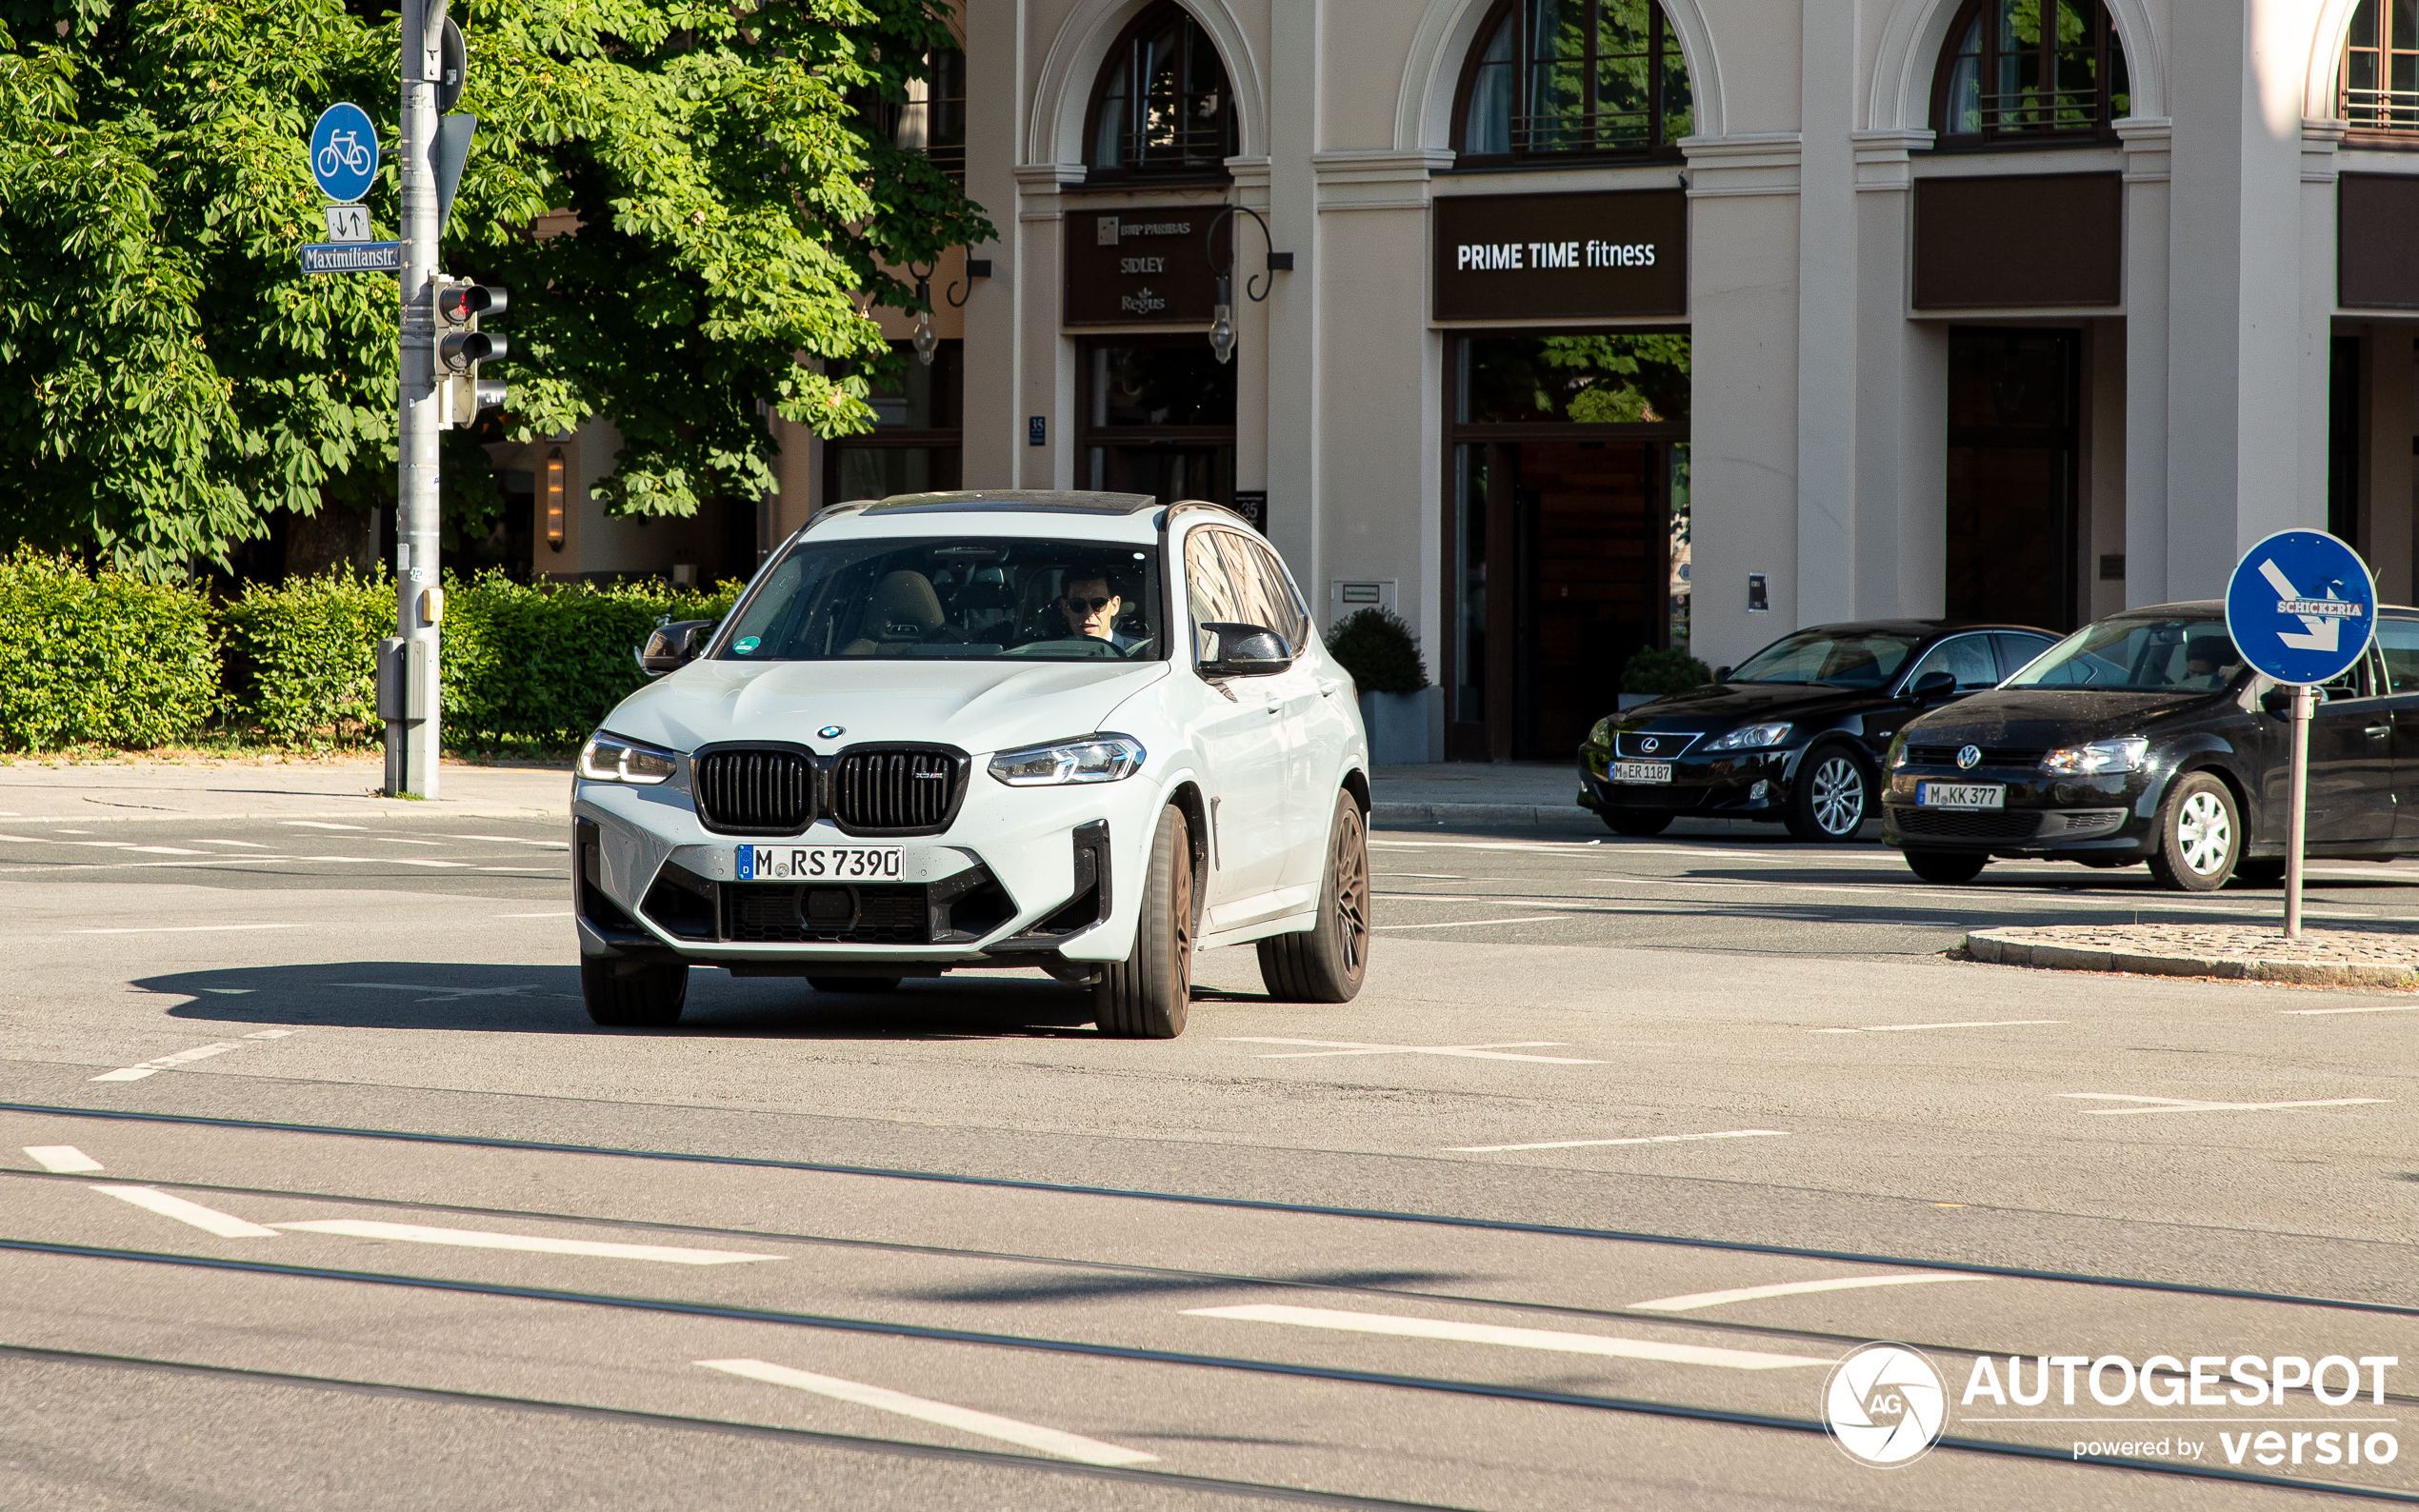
(169, 377)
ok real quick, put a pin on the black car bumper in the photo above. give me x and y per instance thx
(1747, 785)
(2112, 817)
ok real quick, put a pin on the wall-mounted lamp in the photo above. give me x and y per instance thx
(925, 340)
(975, 268)
(1222, 318)
(554, 498)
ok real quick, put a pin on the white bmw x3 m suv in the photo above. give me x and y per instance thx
(1083, 732)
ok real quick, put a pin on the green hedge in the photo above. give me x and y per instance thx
(101, 660)
(112, 661)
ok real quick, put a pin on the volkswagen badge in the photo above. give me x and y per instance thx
(1969, 757)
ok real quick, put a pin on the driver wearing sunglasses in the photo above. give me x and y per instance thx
(1091, 608)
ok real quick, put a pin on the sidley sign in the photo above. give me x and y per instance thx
(1560, 256)
(1140, 267)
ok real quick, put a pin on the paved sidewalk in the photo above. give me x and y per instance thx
(35, 792)
(2329, 958)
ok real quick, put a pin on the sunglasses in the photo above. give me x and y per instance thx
(1094, 606)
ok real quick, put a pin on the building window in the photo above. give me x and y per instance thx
(931, 118)
(1573, 78)
(2030, 69)
(2379, 79)
(918, 436)
(1158, 418)
(1162, 108)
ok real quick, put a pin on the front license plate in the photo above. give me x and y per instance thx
(1961, 795)
(822, 863)
(1642, 771)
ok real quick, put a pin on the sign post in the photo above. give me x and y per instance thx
(2302, 608)
(412, 728)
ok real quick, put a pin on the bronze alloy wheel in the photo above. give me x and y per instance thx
(1147, 995)
(1327, 962)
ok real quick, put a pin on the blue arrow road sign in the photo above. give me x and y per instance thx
(2301, 606)
(344, 153)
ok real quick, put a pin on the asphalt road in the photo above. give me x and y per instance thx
(317, 1188)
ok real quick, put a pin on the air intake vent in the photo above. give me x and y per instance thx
(758, 791)
(914, 791)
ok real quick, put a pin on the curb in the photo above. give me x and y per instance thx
(1986, 946)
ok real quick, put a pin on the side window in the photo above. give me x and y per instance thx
(1226, 585)
(1287, 619)
(1967, 658)
(2399, 642)
(2015, 650)
(2353, 683)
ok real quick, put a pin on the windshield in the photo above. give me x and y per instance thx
(1842, 658)
(2138, 656)
(955, 598)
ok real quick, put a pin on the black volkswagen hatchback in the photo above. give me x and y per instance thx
(1796, 732)
(2144, 738)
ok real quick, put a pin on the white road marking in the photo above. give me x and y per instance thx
(1466, 923)
(248, 845)
(136, 1072)
(526, 871)
(321, 824)
(1641, 1139)
(1344, 1047)
(189, 929)
(2381, 1007)
(1372, 1323)
(2179, 1105)
(1907, 1029)
(477, 1238)
(1049, 1440)
(560, 913)
(1793, 1288)
(397, 839)
(226, 1225)
(261, 1034)
(65, 1159)
(514, 840)
(166, 850)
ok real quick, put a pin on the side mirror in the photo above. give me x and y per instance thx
(674, 644)
(2278, 699)
(1721, 674)
(1933, 685)
(1245, 650)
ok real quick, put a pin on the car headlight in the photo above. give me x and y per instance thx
(609, 758)
(1092, 759)
(1750, 737)
(1602, 734)
(1898, 750)
(2100, 756)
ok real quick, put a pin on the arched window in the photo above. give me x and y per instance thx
(1162, 108)
(2029, 69)
(1566, 78)
(2379, 80)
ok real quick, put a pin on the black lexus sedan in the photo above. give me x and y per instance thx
(1796, 732)
(2144, 738)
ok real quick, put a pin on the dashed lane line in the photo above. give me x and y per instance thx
(2374, 1007)
(1962, 1024)
(1791, 1288)
(320, 824)
(226, 1225)
(966, 1419)
(1472, 924)
(1325, 1049)
(2182, 1104)
(530, 1243)
(1636, 1139)
(187, 928)
(65, 1160)
(1402, 1327)
(142, 1069)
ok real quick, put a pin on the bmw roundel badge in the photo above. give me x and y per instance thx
(830, 733)
(1969, 757)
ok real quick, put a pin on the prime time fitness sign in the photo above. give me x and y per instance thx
(1532, 257)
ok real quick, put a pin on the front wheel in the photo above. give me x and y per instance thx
(649, 997)
(1830, 797)
(1639, 822)
(1946, 866)
(1325, 964)
(2200, 835)
(1147, 995)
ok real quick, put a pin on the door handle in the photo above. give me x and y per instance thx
(2380, 729)
(1274, 703)
(1328, 687)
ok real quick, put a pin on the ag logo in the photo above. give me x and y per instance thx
(1885, 1405)
(1969, 757)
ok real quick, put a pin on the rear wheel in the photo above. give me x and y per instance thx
(1946, 866)
(1637, 821)
(2200, 835)
(1327, 962)
(1147, 995)
(1831, 796)
(822, 983)
(648, 997)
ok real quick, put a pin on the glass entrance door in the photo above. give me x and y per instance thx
(2015, 444)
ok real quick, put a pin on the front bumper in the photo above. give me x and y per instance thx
(1736, 785)
(2112, 816)
(1021, 877)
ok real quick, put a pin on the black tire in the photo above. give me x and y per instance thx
(1327, 962)
(2200, 835)
(1640, 822)
(649, 997)
(1147, 995)
(1946, 866)
(837, 984)
(1832, 796)
(2260, 871)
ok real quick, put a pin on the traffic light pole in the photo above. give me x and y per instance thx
(412, 707)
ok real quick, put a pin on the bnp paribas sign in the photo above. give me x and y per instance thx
(1530, 257)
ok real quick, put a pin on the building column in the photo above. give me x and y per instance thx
(1831, 546)
(1044, 377)
(2147, 152)
(995, 110)
(1289, 440)
(1901, 401)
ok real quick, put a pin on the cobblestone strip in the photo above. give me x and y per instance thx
(2251, 953)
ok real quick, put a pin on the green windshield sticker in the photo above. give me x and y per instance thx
(747, 643)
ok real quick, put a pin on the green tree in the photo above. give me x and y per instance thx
(169, 377)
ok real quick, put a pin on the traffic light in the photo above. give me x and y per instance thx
(462, 346)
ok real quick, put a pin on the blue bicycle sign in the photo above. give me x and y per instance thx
(344, 153)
